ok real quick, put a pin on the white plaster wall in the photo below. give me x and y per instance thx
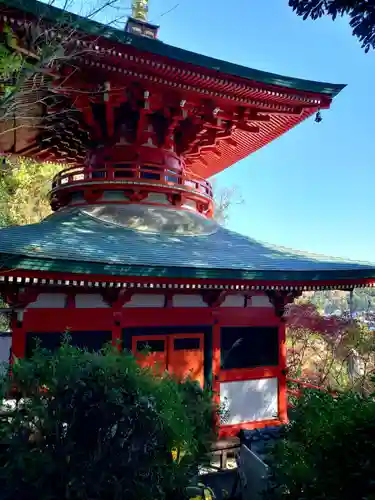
(113, 196)
(156, 198)
(190, 204)
(5, 345)
(234, 301)
(187, 300)
(259, 301)
(146, 300)
(250, 400)
(89, 301)
(76, 198)
(48, 301)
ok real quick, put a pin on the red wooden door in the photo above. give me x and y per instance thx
(151, 351)
(186, 356)
(182, 354)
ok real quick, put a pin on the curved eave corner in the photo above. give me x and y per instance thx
(75, 242)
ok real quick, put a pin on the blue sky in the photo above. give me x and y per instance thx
(312, 189)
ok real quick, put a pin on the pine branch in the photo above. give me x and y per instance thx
(361, 14)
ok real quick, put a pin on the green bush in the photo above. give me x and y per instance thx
(328, 450)
(96, 426)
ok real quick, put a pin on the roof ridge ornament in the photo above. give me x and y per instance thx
(140, 10)
(138, 22)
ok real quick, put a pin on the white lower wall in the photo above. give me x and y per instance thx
(146, 300)
(259, 301)
(234, 301)
(89, 301)
(5, 345)
(250, 400)
(48, 301)
(92, 300)
(186, 300)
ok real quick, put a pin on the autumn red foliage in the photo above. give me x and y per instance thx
(307, 316)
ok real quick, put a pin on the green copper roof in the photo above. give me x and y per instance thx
(53, 14)
(132, 240)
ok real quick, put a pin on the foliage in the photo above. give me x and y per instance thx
(224, 199)
(360, 12)
(23, 192)
(334, 352)
(4, 318)
(30, 55)
(103, 428)
(10, 63)
(328, 450)
(338, 301)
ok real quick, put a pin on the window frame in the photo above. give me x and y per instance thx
(39, 334)
(258, 367)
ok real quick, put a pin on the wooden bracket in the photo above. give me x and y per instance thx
(168, 300)
(214, 298)
(114, 297)
(92, 195)
(279, 299)
(137, 196)
(21, 297)
(175, 199)
(123, 297)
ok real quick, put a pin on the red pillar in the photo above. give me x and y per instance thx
(282, 403)
(216, 360)
(18, 337)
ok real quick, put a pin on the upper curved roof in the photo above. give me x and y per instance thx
(157, 47)
(120, 242)
(257, 106)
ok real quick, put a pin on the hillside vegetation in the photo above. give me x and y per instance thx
(338, 301)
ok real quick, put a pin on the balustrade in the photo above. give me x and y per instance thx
(127, 173)
(296, 387)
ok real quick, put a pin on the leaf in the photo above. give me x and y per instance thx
(361, 15)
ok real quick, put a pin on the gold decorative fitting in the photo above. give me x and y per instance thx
(140, 10)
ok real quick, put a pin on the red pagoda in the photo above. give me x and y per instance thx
(132, 252)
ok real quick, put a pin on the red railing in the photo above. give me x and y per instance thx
(129, 173)
(297, 392)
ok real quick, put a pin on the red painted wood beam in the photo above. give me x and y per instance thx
(340, 284)
(174, 120)
(83, 104)
(109, 109)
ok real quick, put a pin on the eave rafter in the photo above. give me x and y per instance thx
(116, 56)
(17, 279)
(196, 119)
(174, 117)
(218, 126)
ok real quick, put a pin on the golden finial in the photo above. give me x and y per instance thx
(140, 10)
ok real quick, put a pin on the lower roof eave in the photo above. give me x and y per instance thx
(24, 270)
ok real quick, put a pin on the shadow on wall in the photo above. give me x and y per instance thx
(250, 400)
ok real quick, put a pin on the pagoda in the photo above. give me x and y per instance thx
(132, 252)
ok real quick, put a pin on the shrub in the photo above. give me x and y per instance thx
(97, 426)
(328, 450)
